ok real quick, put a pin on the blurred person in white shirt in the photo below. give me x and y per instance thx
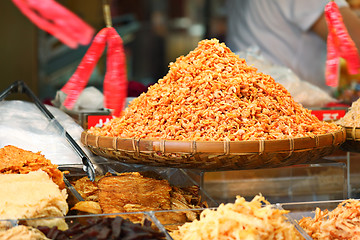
(291, 33)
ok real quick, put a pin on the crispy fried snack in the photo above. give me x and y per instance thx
(88, 206)
(87, 189)
(17, 160)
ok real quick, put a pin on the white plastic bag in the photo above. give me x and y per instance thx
(23, 125)
(90, 98)
(303, 92)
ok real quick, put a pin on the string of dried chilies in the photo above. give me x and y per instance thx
(57, 20)
(115, 82)
(339, 44)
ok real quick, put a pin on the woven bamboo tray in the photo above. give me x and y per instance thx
(227, 155)
(352, 142)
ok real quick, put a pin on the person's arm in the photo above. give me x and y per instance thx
(351, 21)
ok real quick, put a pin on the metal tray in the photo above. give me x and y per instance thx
(168, 226)
(176, 177)
(152, 216)
(83, 220)
(299, 210)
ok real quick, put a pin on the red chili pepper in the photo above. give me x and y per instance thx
(57, 20)
(80, 78)
(341, 39)
(332, 62)
(115, 82)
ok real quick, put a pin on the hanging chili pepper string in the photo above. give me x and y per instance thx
(347, 48)
(115, 82)
(332, 62)
(45, 24)
(339, 43)
(66, 20)
(351, 57)
(55, 19)
(80, 78)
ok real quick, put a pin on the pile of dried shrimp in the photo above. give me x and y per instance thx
(213, 95)
(341, 223)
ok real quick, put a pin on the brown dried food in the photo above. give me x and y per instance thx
(106, 228)
(134, 192)
(190, 196)
(14, 160)
(131, 188)
(88, 206)
(86, 188)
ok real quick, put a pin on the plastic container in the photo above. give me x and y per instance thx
(299, 210)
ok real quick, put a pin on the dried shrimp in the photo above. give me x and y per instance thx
(213, 95)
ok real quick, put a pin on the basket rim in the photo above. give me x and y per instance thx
(216, 147)
(352, 133)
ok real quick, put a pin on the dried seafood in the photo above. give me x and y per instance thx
(213, 95)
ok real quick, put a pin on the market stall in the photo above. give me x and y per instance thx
(141, 170)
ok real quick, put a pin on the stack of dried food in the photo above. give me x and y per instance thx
(32, 195)
(31, 187)
(14, 160)
(213, 95)
(241, 220)
(132, 192)
(340, 223)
